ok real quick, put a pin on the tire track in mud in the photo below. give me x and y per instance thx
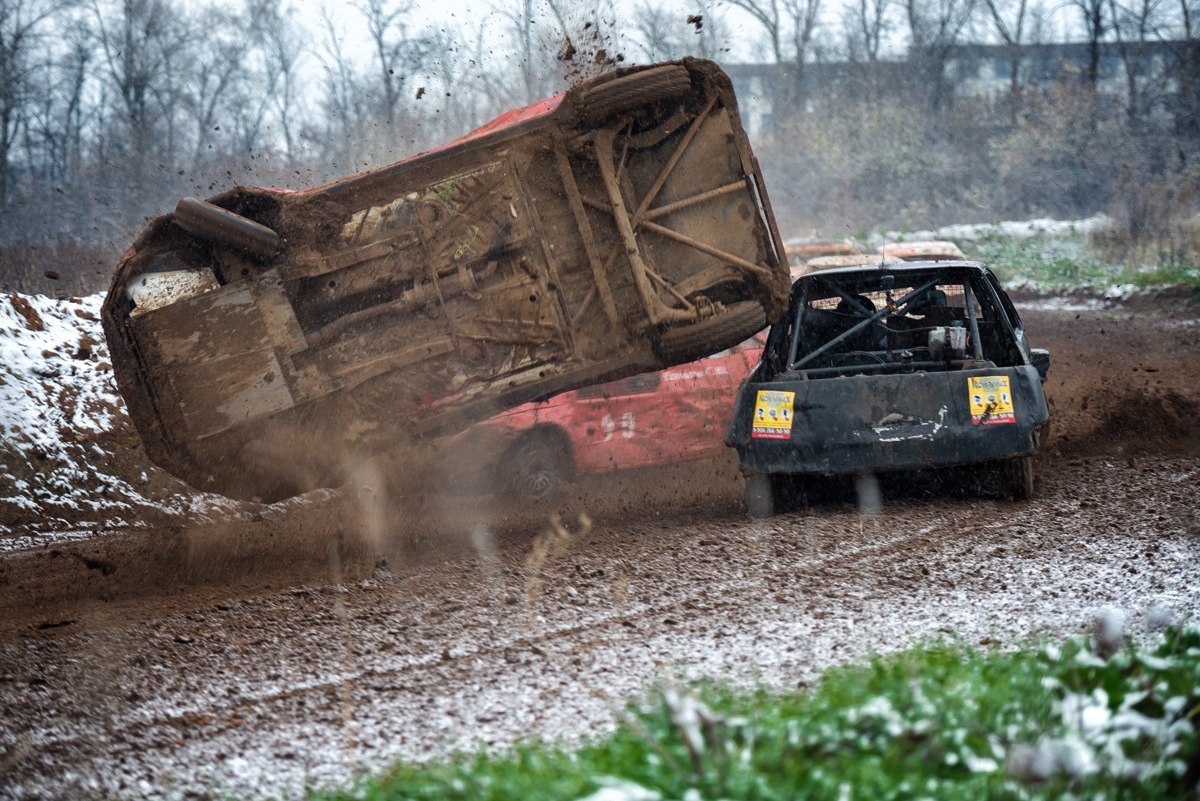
(682, 605)
(469, 671)
(877, 550)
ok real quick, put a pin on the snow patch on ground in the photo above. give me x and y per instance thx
(1011, 229)
(62, 421)
(1062, 304)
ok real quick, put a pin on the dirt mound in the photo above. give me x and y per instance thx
(68, 452)
(1121, 381)
(1136, 422)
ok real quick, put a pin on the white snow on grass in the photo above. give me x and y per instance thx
(1062, 304)
(1010, 229)
(1035, 257)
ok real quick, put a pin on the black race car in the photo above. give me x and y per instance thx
(888, 367)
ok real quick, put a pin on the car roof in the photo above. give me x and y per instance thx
(938, 249)
(809, 247)
(843, 260)
(897, 267)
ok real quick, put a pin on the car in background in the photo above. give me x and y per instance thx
(803, 250)
(840, 260)
(899, 366)
(924, 250)
(658, 418)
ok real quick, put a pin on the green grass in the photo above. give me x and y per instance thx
(1068, 262)
(1178, 275)
(1048, 262)
(937, 722)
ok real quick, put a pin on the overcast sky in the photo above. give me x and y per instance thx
(469, 16)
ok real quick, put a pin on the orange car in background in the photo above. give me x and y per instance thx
(802, 250)
(675, 415)
(844, 260)
(924, 250)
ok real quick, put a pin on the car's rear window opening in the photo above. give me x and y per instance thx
(884, 322)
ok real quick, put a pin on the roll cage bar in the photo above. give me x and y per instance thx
(831, 285)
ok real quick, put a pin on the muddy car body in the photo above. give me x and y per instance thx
(264, 339)
(902, 366)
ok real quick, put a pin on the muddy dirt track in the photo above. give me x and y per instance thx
(314, 641)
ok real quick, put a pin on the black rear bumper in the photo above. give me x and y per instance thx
(881, 423)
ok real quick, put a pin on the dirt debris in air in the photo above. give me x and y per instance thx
(226, 657)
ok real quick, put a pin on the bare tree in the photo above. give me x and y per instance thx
(789, 26)
(283, 51)
(389, 36)
(20, 21)
(1094, 28)
(769, 16)
(1039, 28)
(137, 39)
(866, 26)
(665, 34)
(215, 67)
(342, 96)
(398, 54)
(246, 102)
(529, 42)
(1188, 70)
(1134, 26)
(654, 25)
(74, 71)
(53, 137)
(935, 28)
(453, 102)
(1008, 20)
(803, 16)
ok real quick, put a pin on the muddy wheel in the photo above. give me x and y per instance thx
(760, 495)
(601, 103)
(737, 323)
(536, 466)
(222, 226)
(1018, 478)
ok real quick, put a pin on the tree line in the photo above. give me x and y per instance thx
(110, 110)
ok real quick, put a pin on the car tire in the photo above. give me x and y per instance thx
(224, 227)
(684, 343)
(1018, 478)
(601, 103)
(760, 495)
(536, 466)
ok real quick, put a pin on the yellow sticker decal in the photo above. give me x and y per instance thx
(991, 400)
(773, 414)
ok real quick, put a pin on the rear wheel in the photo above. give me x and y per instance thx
(736, 323)
(1018, 478)
(602, 102)
(760, 495)
(536, 466)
